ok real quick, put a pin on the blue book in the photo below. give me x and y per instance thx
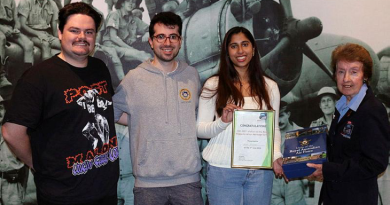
(304, 146)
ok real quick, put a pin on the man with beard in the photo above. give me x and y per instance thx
(52, 104)
(158, 100)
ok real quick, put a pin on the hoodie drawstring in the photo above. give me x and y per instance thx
(177, 105)
(175, 88)
(165, 98)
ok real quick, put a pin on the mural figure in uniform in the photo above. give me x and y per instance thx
(121, 33)
(327, 101)
(269, 37)
(38, 20)
(109, 53)
(10, 32)
(293, 191)
(384, 178)
(13, 173)
(126, 178)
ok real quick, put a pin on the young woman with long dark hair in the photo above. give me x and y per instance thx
(239, 84)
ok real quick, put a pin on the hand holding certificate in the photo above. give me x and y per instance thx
(252, 141)
(227, 113)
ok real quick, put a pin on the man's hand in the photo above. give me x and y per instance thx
(317, 174)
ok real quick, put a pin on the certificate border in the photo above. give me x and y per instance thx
(270, 140)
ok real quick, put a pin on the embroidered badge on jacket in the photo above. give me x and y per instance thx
(347, 130)
(185, 94)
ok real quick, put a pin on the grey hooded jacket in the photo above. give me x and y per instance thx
(161, 110)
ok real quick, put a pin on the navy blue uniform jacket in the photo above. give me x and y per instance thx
(350, 175)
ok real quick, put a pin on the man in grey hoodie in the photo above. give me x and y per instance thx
(158, 101)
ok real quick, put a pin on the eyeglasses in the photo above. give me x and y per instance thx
(161, 38)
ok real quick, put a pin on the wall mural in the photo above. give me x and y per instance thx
(295, 39)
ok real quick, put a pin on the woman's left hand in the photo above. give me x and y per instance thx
(317, 174)
(278, 170)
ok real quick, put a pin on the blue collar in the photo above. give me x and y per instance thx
(342, 105)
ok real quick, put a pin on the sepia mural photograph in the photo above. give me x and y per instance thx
(295, 40)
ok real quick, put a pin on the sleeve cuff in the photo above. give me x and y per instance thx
(222, 125)
(277, 155)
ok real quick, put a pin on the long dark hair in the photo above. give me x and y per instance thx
(226, 91)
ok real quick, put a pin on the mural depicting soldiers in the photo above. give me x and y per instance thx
(38, 20)
(13, 174)
(137, 11)
(385, 99)
(126, 179)
(109, 52)
(59, 4)
(293, 191)
(121, 33)
(10, 32)
(271, 14)
(384, 178)
(111, 3)
(327, 100)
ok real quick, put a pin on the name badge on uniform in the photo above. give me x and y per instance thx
(347, 131)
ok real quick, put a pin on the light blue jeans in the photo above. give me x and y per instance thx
(230, 186)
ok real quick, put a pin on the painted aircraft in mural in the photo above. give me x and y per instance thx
(295, 53)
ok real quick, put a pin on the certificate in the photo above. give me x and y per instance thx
(252, 141)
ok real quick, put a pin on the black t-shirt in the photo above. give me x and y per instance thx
(69, 115)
